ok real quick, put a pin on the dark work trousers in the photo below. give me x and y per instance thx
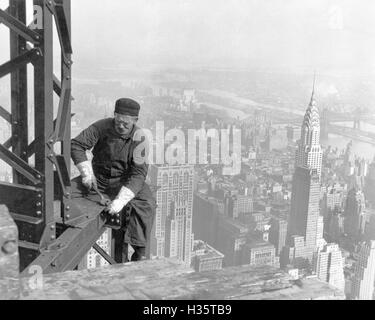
(121, 248)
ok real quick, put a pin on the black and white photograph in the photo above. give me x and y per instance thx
(154, 151)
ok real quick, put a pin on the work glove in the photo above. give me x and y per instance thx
(87, 174)
(124, 196)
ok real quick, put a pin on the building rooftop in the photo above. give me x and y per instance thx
(255, 244)
(204, 251)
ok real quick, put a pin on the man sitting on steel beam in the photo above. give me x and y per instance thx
(116, 171)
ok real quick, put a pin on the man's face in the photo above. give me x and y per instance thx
(124, 124)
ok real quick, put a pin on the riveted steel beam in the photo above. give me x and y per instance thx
(18, 27)
(21, 166)
(5, 115)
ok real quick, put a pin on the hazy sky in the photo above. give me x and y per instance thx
(266, 33)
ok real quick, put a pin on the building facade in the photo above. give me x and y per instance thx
(278, 232)
(172, 234)
(304, 218)
(205, 257)
(260, 253)
(93, 259)
(329, 266)
(364, 278)
(355, 205)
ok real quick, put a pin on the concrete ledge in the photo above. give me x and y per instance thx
(9, 260)
(167, 279)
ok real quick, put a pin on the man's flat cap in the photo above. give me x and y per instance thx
(127, 107)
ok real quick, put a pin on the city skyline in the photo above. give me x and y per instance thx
(258, 123)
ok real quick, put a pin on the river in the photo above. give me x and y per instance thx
(361, 149)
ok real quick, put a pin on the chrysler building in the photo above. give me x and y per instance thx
(305, 224)
(309, 153)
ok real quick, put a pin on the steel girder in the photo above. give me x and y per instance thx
(53, 231)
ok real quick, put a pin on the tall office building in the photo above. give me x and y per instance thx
(172, 231)
(232, 236)
(93, 259)
(355, 205)
(304, 218)
(364, 278)
(333, 198)
(206, 218)
(237, 205)
(278, 231)
(370, 183)
(370, 228)
(319, 232)
(329, 266)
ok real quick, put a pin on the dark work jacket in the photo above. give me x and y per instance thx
(114, 166)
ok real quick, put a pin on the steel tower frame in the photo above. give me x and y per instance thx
(54, 231)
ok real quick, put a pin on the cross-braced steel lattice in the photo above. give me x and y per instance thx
(53, 231)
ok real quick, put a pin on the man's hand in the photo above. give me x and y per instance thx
(87, 174)
(125, 195)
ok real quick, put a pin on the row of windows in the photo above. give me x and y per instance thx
(176, 177)
(263, 255)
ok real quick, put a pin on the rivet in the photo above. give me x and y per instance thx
(38, 204)
(9, 247)
(68, 216)
(53, 237)
(67, 208)
(52, 227)
(39, 213)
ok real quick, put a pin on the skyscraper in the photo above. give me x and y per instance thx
(329, 266)
(172, 232)
(278, 233)
(370, 183)
(304, 215)
(363, 282)
(355, 205)
(93, 259)
(370, 228)
(206, 218)
(309, 153)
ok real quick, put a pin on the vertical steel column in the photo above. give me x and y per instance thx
(43, 94)
(17, 8)
(66, 77)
